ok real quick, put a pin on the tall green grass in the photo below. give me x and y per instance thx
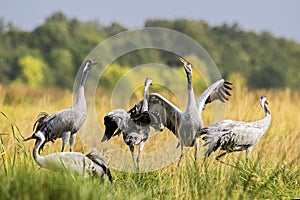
(272, 173)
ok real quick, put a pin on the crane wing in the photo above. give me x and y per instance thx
(169, 113)
(116, 119)
(231, 135)
(217, 91)
(100, 163)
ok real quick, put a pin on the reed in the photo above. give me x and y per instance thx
(272, 173)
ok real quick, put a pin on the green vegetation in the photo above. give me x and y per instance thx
(273, 171)
(61, 44)
(50, 56)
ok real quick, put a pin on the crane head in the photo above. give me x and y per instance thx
(148, 81)
(39, 137)
(263, 100)
(264, 103)
(187, 66)
(89, 64)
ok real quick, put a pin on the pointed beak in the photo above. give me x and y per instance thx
(29, 138)
(266, 102)
(93, 62)
(184, 62)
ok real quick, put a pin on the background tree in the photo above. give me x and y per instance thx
(31, 71)
(62, 45)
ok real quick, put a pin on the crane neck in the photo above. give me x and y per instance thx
(80, 99)
(145, 99)
(36, 152)
(267, 112)
(191, 95)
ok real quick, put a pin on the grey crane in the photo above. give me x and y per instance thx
(65, 123)
(233, 136)
(134, 126)
(186, 125)
(87, 165)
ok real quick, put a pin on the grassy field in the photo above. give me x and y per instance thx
(272, 173)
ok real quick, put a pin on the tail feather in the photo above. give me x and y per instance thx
(100, 162)
(39, 123)
(213, 142)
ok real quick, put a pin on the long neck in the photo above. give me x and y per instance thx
(80, 93)
(266, 121)
(191, 95)
(145, 99)
(267, 112)
(36, 153)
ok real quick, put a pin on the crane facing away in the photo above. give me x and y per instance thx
(66, 123)
(186, 125)
(233, 136)
(134, 124)
(87, 165)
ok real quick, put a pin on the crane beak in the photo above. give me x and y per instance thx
(29, 138)
(182, 60)
(93, 62)
(266, 102)
(185, 63)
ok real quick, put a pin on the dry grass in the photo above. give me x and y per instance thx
(277, 152)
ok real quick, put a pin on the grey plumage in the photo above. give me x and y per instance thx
(134, 124)
(233, 136)
(87, 165)
(65, 124)
(186, 125)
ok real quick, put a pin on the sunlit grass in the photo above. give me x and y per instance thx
(272, 173)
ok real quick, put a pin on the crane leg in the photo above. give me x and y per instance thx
(248, 152)
(65, 138)
(142, 144)
(221, 155)
(181, 154)
(72, 141)
(131, 147)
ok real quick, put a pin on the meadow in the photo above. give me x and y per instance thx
(272, 173)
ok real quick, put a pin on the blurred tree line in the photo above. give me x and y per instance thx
(51, 54)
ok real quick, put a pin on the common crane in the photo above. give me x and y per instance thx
(186, 125)
(134, 124)
(87, 165)
(65, 123)
(233, 136)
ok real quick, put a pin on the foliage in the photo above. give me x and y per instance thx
(61, 63)
(263, 60)
(31, 71)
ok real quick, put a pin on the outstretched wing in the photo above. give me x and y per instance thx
(116, 119)
(169, 113)
(217, 91)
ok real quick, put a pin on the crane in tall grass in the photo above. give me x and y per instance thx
(134, 124)
(66, 123)
(234, 136)
(186, 125)
(87, 165)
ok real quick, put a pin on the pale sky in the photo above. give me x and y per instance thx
(280, 17)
